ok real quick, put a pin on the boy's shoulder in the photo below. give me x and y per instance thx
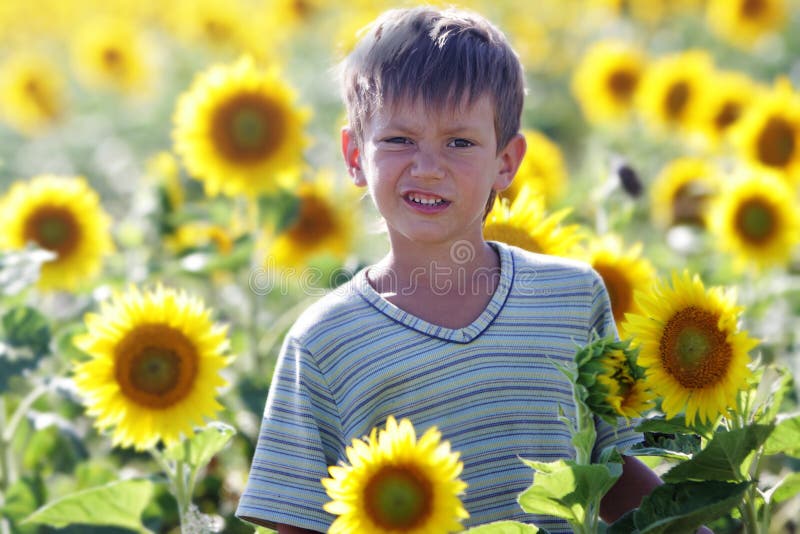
(341, 305)
(545, 265)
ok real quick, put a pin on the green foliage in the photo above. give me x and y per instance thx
(504, 527)
(565, 489)
(724, 457)
(118, 504)
(681, 508)
(22, 498)
(25, 340)
(785, 438)
(787, 488)
(198, 450)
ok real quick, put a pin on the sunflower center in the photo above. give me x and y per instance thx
(775, 145)
(688, 203)
(619, 288)
(676, 99)
(53, 228)
(248, 127)
(755, 221)
(753, 8)
(314, 222)
(622, 83)
(155, 365)
(398, 498)
(512, 235)
(693, 349)
(216, 30)
(112, 58)
(728, 114)
(39, 96)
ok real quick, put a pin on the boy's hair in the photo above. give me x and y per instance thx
(440, 56)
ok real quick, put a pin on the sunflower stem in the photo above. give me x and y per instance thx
(176, 475)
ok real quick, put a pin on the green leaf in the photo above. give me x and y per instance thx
(677, 425)
(198, 450)
(785, 438)
(25, 340)
(21, 499)
(723, 457)
(787, 488)
(119, 504)
(564, 489)
(623, 525)
(503, 527)
(683, 507)
(774, 384)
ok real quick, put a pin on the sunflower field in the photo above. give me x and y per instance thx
(172, 197)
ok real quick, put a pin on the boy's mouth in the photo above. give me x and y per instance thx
(422, 199)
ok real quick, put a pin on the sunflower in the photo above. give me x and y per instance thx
(605, 80)
(623, 271)
(525, 224)
(397, 483)
(323, 224)
(62, 215)
(542, 169)
(742, 22)
(670, 91)
(613, 382)
(155, 366)
(693, 352)
(755, 218)
(627, 395)
(32, 95)
(682, 190)
(768, 134)
(722, 106)
(222, 27)
(112, 53)
(238, 131)
(530, 38)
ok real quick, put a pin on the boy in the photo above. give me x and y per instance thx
(447, 329)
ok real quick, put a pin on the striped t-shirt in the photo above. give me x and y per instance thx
(492, 388)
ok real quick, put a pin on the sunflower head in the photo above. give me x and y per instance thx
(606, 80)
(624, 271)
(682, 192)
(525, 223)
(768, 134)
(743, 22)
(671, 89)
(397, 483)
(154, 367)
(323, 224)
(237, 130)
(542, 169)
(694, 355)
(32, 95)
(612, 381)
(755, 219)
(62, 215)
(112, 53)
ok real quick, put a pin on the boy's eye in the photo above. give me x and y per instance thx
(398, 140)
(461, 143)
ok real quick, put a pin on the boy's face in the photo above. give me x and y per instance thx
(430, 171)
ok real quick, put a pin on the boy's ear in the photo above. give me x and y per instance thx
(510, 158)
(352, 156)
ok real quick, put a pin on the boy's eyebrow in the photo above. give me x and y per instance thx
(399, 124)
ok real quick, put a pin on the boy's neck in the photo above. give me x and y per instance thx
(430, 268)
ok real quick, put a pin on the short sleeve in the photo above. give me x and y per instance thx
(622, 435)
(294, 447)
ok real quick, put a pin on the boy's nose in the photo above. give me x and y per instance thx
(426, 164)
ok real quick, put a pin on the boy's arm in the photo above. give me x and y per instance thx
(637, 480)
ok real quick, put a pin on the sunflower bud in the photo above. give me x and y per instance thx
(612, 381)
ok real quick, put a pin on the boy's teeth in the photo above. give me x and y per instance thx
(425, 200)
